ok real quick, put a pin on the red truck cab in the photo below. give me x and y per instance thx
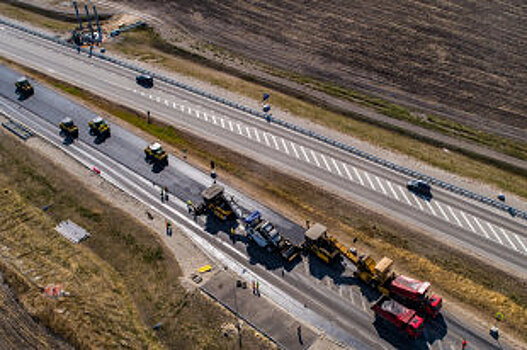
(403, 318)
(413, 293)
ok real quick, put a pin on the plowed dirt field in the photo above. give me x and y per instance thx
(444, 56)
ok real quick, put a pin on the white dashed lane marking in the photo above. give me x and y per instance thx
(342, 170)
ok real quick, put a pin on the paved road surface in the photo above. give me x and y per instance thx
(328, 298)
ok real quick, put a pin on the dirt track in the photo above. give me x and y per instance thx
(464, 54)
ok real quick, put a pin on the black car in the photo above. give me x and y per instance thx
(145, 80)
(419, 187)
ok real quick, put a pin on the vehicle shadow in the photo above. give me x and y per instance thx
(100, 139)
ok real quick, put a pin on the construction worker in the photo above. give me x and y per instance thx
(299, 333)
(166, 194)
(189, 206)
(464, 344)
(169, 228)
(257, 288)
(162, 195)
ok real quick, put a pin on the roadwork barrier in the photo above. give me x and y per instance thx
(269, 118)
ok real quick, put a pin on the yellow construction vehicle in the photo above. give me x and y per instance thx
(23, 87)
(215, 201)
(68, 128)
(99, 127)
(318, 242)
(154, 153)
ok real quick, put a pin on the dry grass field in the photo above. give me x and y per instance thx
(469, 55)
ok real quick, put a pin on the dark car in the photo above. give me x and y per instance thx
(145, 80)
(420, 187)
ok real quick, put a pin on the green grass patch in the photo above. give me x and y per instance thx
(35, 19)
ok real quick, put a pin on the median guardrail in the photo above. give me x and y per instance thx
(270, 119)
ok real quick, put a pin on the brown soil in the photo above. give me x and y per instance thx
(464, 54)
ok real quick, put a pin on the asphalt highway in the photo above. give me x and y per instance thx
(465, 224)
(328, 298)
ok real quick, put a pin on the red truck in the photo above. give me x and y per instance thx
(413, 293)
(404, 319)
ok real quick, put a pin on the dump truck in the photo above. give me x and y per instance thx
(68, 128)
(411, 292)
(215, 201)
(415, 294)
(23, 87)
(99, 127)
(404, 319)
(154, 153)
(265, 235)
(319, 243)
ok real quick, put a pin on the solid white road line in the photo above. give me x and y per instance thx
(391, 189)
(347, 171)
(402, 191)
(304, 153)
(441, 210)
(520, 241)
(494, 232)
(336, 166)
(431, 208)
(481, 227)
(369, 180)
(315, 158)
(508, 238)
(285, 147)
(381, 186)
(418, 201)
(358, 176)
(325, 162)
(454, 215)
(468, 222)
(294, 150)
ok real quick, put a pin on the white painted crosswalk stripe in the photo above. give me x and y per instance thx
(336, 166)
(257, 135)
(441, 210)
(213, 119)
(454, 215)
(222, 123)
(468, 222)
(304, 153)
(369, 180)
(266, 139)
(285, 147)
(430, 207)
(494, 232)
(403, 192)
(481, 227)
(248, 132)
(274, 141)
(358, 176)
(391, 189)
(315, 158)
(418, 201)
(508, 238)
(380, 185)
(325, 162)
(347, 171)
(294, 150)
(520, 241)
(230, 125)
(239, 128)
